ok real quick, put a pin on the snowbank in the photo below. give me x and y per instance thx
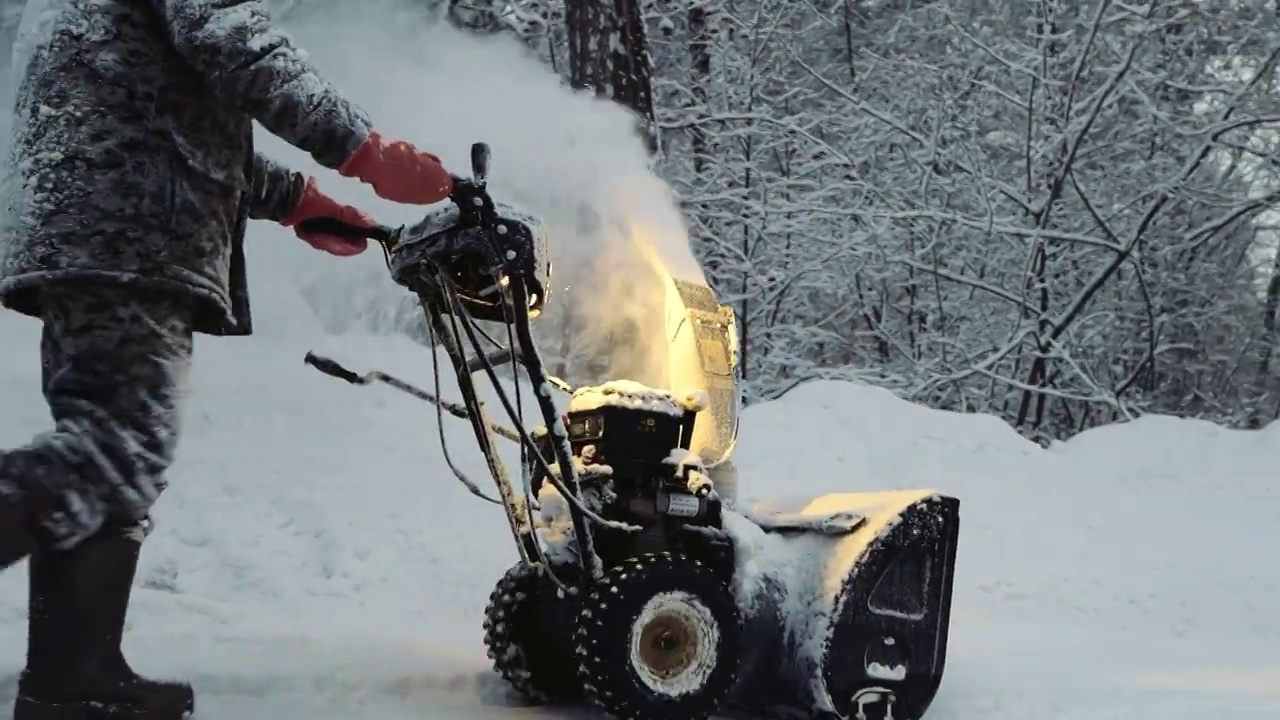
(1158, 525)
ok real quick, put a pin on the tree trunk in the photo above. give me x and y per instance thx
(609, 54)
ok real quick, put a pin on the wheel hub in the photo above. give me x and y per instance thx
(675, 644)
(668, 645)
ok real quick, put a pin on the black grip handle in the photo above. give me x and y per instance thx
(331, 368)
(480, 161)
(334, 226)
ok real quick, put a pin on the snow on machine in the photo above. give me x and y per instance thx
(638, 587)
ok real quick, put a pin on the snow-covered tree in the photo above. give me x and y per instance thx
(1044, 210)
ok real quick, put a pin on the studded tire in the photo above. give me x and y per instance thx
(527, 631)
(659, 638)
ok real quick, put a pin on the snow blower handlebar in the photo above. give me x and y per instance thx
(482, 263)
(480, 155)
(469, 194)
(333, 369)
(383, 234)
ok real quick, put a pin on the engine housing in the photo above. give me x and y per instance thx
(632, 444)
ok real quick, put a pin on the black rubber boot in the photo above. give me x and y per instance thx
(75, 667)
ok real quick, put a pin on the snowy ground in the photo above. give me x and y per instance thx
(315, 559)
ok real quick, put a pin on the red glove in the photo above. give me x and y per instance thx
(315, 204)
(398, 171)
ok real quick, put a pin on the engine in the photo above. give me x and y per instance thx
(630, 446)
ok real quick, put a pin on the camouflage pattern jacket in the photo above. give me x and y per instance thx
(132, 156)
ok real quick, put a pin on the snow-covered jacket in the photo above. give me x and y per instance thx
(132, 159)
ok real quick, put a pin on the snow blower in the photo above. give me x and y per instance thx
(638, 588)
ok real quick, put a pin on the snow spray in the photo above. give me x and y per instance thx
(576, 162)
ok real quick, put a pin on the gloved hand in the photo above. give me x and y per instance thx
(398, 171)
(315, 204)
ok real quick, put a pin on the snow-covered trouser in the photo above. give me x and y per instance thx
(115, 363)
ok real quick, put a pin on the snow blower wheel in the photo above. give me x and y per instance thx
(659, 638)
(527, 636)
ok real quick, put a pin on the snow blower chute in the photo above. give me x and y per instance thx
(638, 587)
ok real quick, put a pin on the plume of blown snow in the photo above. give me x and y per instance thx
(574, 161)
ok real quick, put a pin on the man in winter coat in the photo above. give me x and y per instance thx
(131, 178)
